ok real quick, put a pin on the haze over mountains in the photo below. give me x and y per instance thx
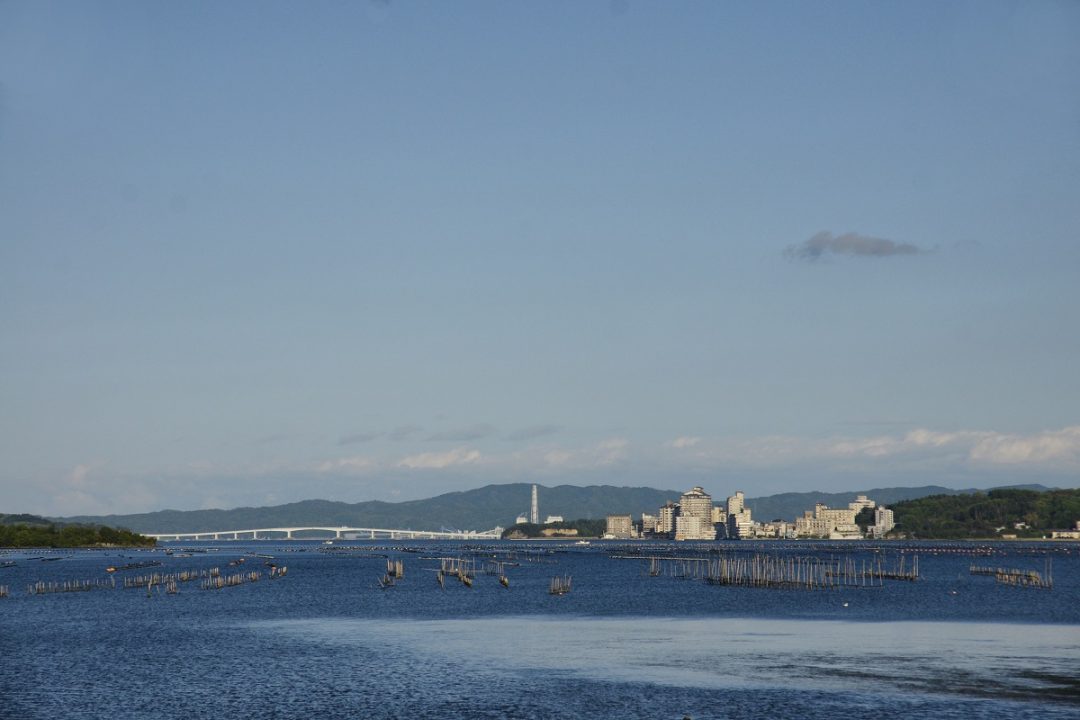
(483, 508)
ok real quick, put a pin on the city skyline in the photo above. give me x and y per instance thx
(259, 253)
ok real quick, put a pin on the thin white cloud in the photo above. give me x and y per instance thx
(558, 458)
(434, 461)
(612, 450)
(77, 476)
(85, 490)
(965, 457)
(1054, 446)
(346, 464)
(603, 454)
(1053, 450)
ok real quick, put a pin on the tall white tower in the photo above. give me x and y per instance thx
(534, 514)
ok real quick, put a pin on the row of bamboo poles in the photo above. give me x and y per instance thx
(140, 581)
(133, 566)
(211, 578)
(786, 571)
(1018, 577)
(560, 585)
(461, 568)
(464, 570)
(395, 570)
(65, 586)
(223, 581)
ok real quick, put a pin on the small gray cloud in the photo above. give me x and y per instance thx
(473, 432)
(357, 438)
(532, 432)
(853, 244)
(404, 432)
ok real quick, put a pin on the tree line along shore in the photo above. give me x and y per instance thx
(25, 531)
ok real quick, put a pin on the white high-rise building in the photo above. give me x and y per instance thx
(694, 521)
(648, 524)
(883, 521)
(665, 521)
(739, 521)
(736, 503)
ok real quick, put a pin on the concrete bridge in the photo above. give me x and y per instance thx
(338, 533)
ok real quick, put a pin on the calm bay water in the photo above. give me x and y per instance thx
(325, 641)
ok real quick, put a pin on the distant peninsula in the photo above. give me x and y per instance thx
(31, 531)
(1000, 513)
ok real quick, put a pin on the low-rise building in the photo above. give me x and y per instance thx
(1067, 534)
(774, 529)
(619, 527)
(825, 522)
(552, 519)
(846, 532)
(690, 527)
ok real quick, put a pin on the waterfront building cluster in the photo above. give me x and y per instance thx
(696, 517)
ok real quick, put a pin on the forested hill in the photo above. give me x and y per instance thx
(33, 531)
(988, 515)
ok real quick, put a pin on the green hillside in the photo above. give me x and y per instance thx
(33, 531)
(983, 515)
(24, 519)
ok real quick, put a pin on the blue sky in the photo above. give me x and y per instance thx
(260, 252)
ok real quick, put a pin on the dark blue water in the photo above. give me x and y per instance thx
(325, 641)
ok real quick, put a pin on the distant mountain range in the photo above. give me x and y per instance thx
(483, 508)
(24, 519)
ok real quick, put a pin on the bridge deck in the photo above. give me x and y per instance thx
(338, 533)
